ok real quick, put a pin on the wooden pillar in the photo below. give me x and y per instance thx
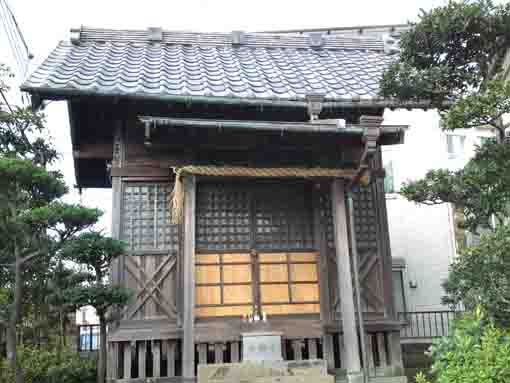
(188, 316)
(345, 289)
(320, 229)
(395, 349)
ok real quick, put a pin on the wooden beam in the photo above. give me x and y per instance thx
(345, 289)
(188, 344)
(100, 150)
(141, 171)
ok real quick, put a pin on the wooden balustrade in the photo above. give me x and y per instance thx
(161, 359)
(144, 359)
(378, 349)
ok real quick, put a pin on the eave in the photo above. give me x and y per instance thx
(40, 94)
(390, 134)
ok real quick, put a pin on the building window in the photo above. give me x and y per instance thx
(89, 338)
(398, 291)
(455, 145)
(389, 181)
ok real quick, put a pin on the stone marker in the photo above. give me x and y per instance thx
(262, 346)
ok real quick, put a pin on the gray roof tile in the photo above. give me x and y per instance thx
(126, 63)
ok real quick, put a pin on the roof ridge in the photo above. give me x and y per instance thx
(236, 38)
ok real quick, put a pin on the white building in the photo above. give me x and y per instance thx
(423, 237)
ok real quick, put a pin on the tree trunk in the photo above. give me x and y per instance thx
(101, 362)
(60, 344)
(14, 318)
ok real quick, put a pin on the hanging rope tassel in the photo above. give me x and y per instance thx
(177, 198)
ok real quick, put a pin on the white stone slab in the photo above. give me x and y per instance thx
(262, 346)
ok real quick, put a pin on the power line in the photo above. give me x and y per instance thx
(22, 38)
(5, 100)
(12, 38)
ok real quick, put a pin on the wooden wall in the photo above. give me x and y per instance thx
(153, 268)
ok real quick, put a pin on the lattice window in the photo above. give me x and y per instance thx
(223, 217)
(283, 218)
(265, 217)
(145, 223)
(365, 220)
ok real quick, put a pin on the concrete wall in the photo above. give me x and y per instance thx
(423, 236)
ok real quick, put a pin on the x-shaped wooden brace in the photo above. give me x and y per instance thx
(368, 262)
(154, 284)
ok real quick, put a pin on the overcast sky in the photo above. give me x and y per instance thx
(44, 23)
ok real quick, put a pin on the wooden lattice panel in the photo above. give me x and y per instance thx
(223, 218)
(145, 223)
(283, 218)
(246, 216)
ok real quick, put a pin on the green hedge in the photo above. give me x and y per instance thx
(476, 352)
(46, 366)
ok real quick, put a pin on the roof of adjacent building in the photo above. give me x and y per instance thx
(160, 64)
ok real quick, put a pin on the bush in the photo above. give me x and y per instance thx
(46, 366)
(476, 352)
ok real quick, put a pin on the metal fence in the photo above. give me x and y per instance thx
(88, 337)
(426, 324)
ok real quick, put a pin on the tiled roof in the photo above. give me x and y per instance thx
(161, 64)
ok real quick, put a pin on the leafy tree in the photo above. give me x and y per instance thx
(62, 280)
(32, 224)
(481, 189)
(452, 57)
(97, 252)
(480, 277)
